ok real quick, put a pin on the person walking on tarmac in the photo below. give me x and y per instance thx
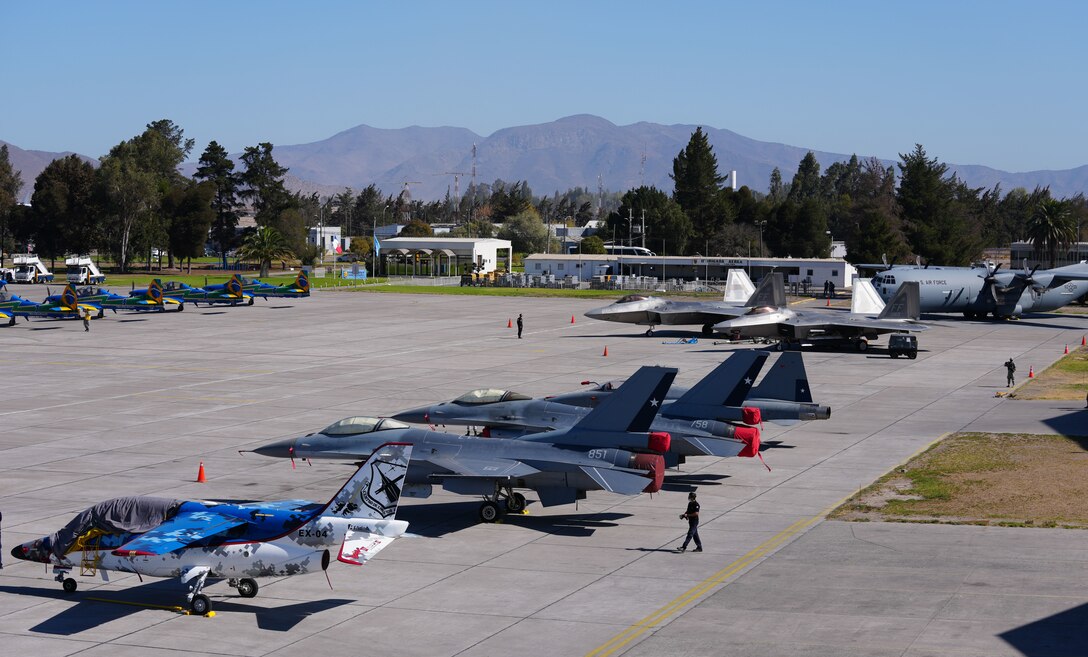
(520, 325)
(86, 319)
(692, 516)
(1010, 367)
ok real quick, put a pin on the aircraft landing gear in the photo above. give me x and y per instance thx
(67, 583)
(247, 588)
(708, 330)
(862, 344)
(199, 603)
(650, 332)
(492, 511)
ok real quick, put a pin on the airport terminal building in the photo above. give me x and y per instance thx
(682, 269)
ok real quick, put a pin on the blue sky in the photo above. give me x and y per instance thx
(998, 83)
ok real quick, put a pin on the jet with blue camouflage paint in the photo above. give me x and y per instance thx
(198, 540)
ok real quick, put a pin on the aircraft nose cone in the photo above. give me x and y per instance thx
(419, 415)
(596, 313)
(281, 449)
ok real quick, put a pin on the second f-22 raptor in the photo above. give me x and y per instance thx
(609, 449)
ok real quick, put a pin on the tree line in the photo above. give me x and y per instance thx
(137, 201)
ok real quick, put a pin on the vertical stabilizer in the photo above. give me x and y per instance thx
(771, 292)
(865, 300)
(632, 408)
(905, 304)
(728, 384)
(738, 287)
(786, 380)
(373, 492)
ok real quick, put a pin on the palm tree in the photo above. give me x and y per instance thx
(1051, 227)
(264, 245)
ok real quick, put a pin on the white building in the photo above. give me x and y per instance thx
(446, 256)
(327, 238)
(689, 268)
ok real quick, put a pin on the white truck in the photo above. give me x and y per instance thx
(82, 271)
(30, 269)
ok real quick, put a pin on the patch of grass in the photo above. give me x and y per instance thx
(1065, 379)
(999, 479)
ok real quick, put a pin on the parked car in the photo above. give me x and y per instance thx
(348, 257)
(903, 344)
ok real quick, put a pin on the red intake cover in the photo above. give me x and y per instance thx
(655, 465)
(659, 441)
(750, 436)
(486, 433)
(750, 415)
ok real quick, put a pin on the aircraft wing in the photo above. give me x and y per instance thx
(178, 532)
(883, 325)
(489, 468)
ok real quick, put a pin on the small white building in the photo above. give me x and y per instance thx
(328, 238)
(447, 256)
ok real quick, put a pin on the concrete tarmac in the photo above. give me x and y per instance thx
(133, 406)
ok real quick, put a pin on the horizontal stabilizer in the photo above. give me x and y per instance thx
(711, 446)
(359, 547)
(864, 299)
(616, 481)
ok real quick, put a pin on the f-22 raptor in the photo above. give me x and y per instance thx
(196, 541)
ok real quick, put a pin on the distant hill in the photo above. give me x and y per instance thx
(556, 156)
(32, 163)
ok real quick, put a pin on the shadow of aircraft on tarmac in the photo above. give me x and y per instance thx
(1059, 635)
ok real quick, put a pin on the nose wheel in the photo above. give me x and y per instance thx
(504, 501)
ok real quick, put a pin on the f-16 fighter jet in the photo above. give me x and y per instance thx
(609, 449)
(195, 541)
(506, 414)
(740, 295)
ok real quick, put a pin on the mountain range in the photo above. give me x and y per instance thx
(576, 151)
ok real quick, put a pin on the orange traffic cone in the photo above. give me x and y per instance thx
(509, 323)
(200, 479)
(1082, 341)
(1031, 372)
(829, 302)
(1067, 349)
(572, 319)
(605, 351)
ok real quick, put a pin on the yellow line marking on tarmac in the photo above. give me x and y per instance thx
(180, 610)
(700, 590)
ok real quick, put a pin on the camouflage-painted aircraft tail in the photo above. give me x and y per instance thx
(196, 541)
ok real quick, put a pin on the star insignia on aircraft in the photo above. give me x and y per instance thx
(653, 402)
(747, 380)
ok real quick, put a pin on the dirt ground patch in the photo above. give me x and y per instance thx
(1066, 379)
(986, 479)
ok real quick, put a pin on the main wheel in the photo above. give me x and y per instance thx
(69, 585)
(200, 605)
(247, 588)
(863, 344)
(251, 301)
(181, 307)
(894, 354)
(490, 512)
(708, 330)
(781, 346)
(649, 332)
(515, 503)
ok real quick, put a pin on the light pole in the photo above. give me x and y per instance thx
(762, 223)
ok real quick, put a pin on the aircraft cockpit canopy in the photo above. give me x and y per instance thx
(351, 426)
(761, 310)
(489, 396)
(632, 297)
(885, 280)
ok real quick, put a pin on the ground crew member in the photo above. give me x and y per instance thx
(692, 516)
(1011, 367)
(519, 326)
(86, 319)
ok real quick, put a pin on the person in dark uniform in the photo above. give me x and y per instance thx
(692, 516)
(519, 326)
(1011, 368)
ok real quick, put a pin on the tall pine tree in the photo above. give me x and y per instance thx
(696, 187)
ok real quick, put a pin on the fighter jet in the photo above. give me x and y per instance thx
(655, 311)
(507, 414)
(230, 293)
(983, 290)
(195, 541)
(609, 449)
(859, 326)
(66, 305)
(299, 288)
(150, 299)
